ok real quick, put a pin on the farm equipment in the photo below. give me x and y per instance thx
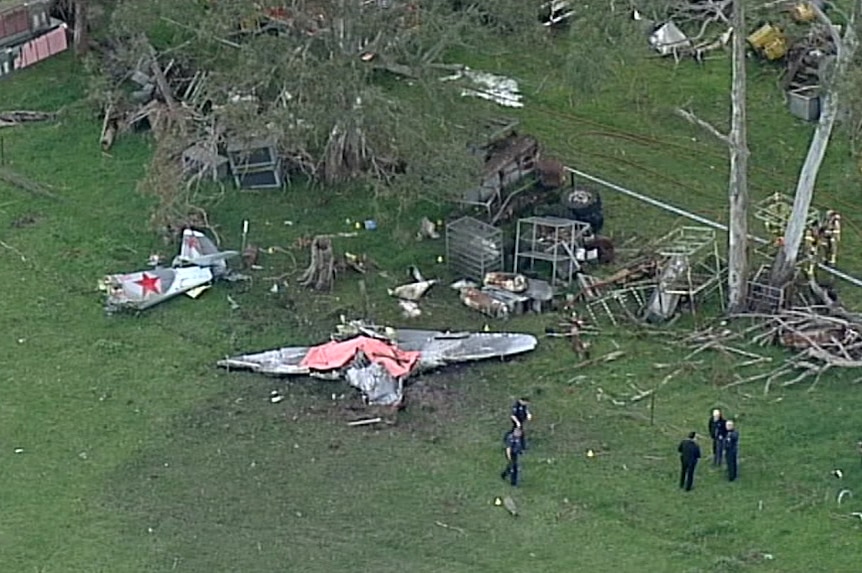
(769, 41)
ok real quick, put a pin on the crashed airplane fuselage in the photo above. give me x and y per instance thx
(192, 271)
(378, 365)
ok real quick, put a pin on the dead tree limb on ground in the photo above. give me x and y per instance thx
(320, 273)
(11, 118)
(109, 130)
(159, 75)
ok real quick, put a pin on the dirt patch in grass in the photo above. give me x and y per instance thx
(430, 402)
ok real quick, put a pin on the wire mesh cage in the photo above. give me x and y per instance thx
(473, 248)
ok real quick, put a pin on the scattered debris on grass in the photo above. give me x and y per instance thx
(365, 422)
(9, 247)
(427, 229)
(510, 506)
(447, 526)
(498, 89)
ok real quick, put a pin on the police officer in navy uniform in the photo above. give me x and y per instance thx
(520, 415)
(689, 453)
(731, 450)
(718, 433)
(514, 448)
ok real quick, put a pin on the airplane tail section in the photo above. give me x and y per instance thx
(198, 249)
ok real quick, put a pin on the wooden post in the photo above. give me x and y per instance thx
(80, 39)
(652, 409)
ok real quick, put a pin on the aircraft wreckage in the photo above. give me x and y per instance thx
(378, 360)
(193, 271)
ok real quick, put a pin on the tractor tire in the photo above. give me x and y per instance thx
(585, 205)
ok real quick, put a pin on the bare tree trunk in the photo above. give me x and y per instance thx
(737, 246)
(80, 38)
(785, 261)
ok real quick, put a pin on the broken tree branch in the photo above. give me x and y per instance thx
(365, 422)
(447, 526)
(13, 118)
(161, 80)
(9, 247)
(690, 117)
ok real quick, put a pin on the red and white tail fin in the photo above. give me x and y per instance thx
(198, 249)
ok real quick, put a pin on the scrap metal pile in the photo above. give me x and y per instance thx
(680, 267)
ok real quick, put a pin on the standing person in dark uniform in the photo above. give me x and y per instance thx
(514, 448)
(520, 415)
(718, 433)
(689, 453)
(731, 450)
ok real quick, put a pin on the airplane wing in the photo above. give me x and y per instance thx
(441, 348)
(376, 366)
(280, 362)
(435, 349)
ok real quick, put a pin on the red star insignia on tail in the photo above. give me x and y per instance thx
(149, 284)
(192, 243)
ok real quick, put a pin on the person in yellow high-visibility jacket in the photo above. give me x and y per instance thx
(831, 236)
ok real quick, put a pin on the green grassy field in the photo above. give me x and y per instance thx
(139, 455)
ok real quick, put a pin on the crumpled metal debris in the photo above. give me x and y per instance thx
(427, 229)
(377, 385)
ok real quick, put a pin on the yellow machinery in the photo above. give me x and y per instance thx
(769, 41)
(802, 12)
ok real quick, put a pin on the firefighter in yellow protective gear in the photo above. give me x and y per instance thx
(830, 236)
(778, 213)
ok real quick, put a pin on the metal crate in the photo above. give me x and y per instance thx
(473, 248)
(261, 178)
(251, 155)
(553, 240)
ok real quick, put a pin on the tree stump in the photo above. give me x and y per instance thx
(321, 270)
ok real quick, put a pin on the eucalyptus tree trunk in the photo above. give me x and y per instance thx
(80, 39)
(737, 248)
(785, 261)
